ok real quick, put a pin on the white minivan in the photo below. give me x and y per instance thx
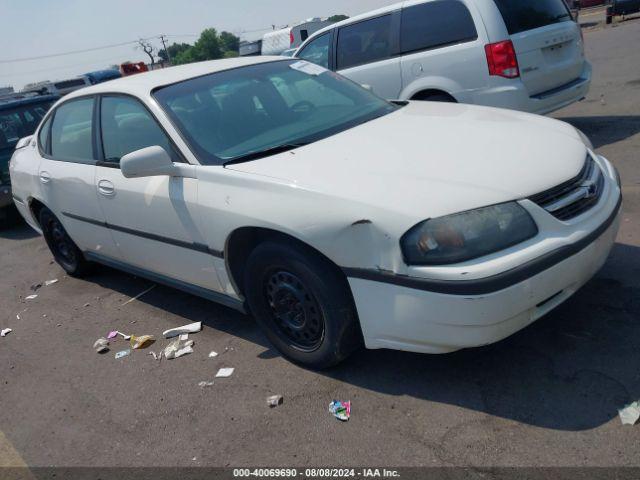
(520, 54)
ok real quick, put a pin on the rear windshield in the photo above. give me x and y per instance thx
(523, 15)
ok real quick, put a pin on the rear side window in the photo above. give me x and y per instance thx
(127, 126)
(71, 137)
(43, 135)
(522, 15)
(364, 42)
(435, 24)
(317, 51)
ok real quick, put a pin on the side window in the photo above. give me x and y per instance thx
(71, 131)
(433, 24)
(364, 42)
(43, 136)
(317, 51)
(304, 34)
(127, 126)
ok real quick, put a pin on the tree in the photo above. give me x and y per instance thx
(229, 42)
(148, 49)
(174, 50)
(337, 18)
(208, 46)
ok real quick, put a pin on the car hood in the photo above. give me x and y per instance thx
(431, 159)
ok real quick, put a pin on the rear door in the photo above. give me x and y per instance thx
(66, 175)
(547, 41)
(367, 53)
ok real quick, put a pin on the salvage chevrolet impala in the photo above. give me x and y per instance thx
(279, 188)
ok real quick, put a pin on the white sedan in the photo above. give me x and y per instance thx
(276, 187)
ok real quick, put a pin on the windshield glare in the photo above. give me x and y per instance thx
(228, 115)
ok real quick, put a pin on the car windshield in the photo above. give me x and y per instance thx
(259, 110)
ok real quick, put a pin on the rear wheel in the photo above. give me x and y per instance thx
(302, 303)
(64, 250)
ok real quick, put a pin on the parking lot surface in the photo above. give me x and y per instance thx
(548, 396)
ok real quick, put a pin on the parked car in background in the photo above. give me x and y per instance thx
(59, 87)
(522, 55)
(100, 76)
(288, 53)
(276, 42)
(250, 49)
(129, 68)
(330, 214)
(624, 7)
(19, 117)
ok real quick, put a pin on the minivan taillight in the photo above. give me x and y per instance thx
(502, 60)
(291, 38)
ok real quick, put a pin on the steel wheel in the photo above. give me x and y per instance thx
(294, 310)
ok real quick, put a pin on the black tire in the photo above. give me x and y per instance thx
(303, 304)
(64, 250)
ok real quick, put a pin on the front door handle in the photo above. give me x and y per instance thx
(105, 187)
(45, 177)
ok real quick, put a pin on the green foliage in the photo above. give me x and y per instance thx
(337, 18)
(210, 46)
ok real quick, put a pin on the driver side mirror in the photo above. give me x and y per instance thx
(152, 162)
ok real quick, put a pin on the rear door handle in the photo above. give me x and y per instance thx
(45, 177)
(105, 187)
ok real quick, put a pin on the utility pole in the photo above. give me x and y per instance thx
(164, 45)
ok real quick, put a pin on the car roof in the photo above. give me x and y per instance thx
(18, 102)
(141, 84)
(355, 18)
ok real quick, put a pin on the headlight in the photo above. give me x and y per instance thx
(463, 236)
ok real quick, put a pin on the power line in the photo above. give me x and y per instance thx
(73, 52)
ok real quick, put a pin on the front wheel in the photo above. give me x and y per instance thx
(64, 250)
(303, 303)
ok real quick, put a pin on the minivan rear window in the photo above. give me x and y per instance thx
(435, 24)
(523, 15)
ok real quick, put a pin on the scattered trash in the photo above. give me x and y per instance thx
(139, 295)
(50, 282)
(184, 337)
(17, 316)
(340, 410)
(141, 341)
(225, 372)
(205, 384)
(630, 414)
(190, 328)
(213, 354)
(112, 334)
(5, 332)
(123, 353)
(274, 400)
(87, 304)
(101, 345)
(155, 355)
(177, 349)
(30, 297)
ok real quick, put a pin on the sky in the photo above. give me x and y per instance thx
(37, 28)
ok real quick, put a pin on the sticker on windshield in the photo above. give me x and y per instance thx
(308, 68)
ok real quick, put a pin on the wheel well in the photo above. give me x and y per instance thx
(244, 240)
(36, 206)
(426, 94)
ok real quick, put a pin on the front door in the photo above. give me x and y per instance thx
(153, 219)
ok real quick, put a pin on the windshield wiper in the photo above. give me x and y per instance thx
(285, 147)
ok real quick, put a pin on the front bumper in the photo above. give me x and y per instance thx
(422, 315)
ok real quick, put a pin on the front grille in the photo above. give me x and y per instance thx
(575, 196)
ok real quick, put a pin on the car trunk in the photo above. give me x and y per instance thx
(547, 42)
